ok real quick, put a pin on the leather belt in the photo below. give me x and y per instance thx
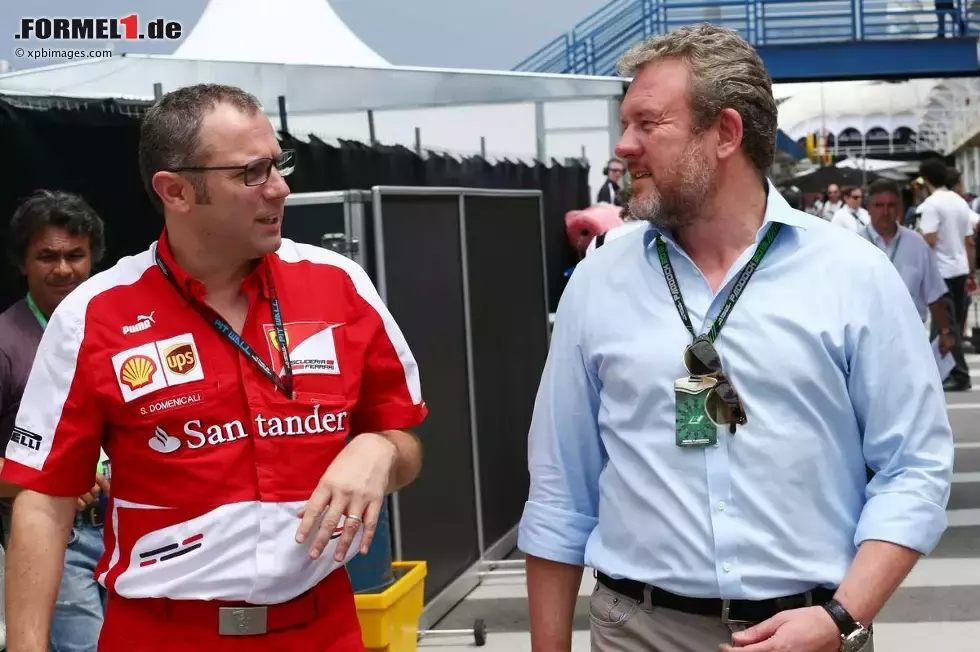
(244, 619)
(330, 596)
(730, 611)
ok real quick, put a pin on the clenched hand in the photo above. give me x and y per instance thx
(810, 629)
(101, 485)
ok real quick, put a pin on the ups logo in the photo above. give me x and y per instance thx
(180, 358)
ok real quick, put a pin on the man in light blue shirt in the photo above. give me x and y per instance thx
(912, 256)
(705, 478)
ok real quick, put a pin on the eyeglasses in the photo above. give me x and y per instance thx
(255, 172)
(723, 406)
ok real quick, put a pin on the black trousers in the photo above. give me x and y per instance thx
(956, 305)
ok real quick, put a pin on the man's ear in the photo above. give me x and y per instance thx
(730, 131)
(174, 191)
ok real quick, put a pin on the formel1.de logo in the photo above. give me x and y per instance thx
(127, 28)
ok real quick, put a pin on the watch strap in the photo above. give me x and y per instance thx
(845, 623)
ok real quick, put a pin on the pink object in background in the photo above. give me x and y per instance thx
(584, 225)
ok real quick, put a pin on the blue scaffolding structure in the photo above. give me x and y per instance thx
(799, 40)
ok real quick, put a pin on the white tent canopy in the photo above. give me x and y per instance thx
(284, 31)
(872, 164)
(307, 88)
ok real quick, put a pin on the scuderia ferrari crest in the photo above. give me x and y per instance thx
(311, 344)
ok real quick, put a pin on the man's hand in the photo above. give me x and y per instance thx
(971, 284)
(101, 485)
(354, 485)
(798, 630)
(946, 342)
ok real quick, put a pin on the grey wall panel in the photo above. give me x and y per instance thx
(424, 288)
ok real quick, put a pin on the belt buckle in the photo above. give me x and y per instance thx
(726, 614)
(243, 621)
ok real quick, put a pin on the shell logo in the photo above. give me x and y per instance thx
(137, 371)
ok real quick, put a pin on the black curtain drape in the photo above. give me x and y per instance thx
(90, 148)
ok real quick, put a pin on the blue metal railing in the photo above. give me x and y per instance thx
(600, 39)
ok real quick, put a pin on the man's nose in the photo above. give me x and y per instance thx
(276, 187)
(628, 145)
(63, 268)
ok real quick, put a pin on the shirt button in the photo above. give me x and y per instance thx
(721, 506)
(727, 567)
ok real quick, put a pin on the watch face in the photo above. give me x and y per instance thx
(856, 640)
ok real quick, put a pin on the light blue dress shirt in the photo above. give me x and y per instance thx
(916, 264)
(832, 363)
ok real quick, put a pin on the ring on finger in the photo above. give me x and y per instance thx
(356, 519)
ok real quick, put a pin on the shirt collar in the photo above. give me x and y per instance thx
(777, 210)
(38, 315)
(257, 280)
(877, 237)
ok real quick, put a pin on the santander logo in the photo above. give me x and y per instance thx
(161, 442)
(197, 434)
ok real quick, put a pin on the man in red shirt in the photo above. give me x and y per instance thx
(223, 371)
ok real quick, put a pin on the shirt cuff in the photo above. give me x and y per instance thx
(389, 417)
(60, 483)
(554, 534)
(903, 520)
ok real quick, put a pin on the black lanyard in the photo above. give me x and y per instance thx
(740, 283)
(226, 331)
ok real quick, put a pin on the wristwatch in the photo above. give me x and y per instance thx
(853, 635)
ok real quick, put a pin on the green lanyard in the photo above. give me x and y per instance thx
(41, 319)
(898, 238)
(740, 283)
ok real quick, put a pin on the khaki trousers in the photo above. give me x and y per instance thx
(621, 624)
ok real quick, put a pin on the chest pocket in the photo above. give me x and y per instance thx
(321, 359)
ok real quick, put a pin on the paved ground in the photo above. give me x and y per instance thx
(937, 607)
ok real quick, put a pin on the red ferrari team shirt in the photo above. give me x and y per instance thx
(210, 460)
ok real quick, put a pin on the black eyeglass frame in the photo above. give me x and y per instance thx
(287, 156)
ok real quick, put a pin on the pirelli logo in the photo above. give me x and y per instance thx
(26, 439)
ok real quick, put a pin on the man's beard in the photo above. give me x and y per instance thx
(678, 202)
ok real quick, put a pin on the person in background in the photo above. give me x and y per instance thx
(915, 194)
(948, 7)
(629, 224)
(831, 203)
(717, 388)
(954, 181)
(945, 222)
(55, 239)
(912, 257)
(853, 216)
(609, 192)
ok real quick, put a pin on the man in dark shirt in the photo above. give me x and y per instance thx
(55, 237)
(609, 192)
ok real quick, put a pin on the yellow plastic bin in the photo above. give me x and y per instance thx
(390, 619)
